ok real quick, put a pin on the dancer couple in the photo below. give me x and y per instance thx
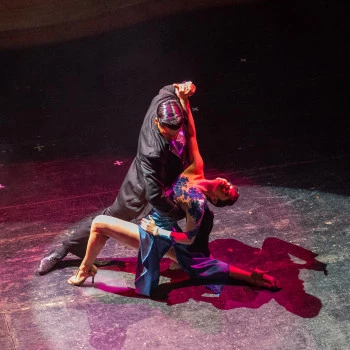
(156, 186)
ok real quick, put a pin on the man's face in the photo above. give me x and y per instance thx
(167, 133)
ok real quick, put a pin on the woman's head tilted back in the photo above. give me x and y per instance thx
(170, 114)
(223, 193)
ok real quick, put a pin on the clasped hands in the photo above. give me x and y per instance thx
(185, 89)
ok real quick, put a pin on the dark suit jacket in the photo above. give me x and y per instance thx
(154, 169)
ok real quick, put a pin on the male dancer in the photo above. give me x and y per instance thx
(160, 158)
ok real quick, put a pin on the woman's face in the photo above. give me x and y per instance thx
(224, 190)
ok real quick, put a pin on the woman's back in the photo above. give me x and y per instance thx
(192, 201)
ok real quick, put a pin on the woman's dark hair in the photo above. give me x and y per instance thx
(170, 114)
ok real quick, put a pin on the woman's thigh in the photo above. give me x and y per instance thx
(123, 231)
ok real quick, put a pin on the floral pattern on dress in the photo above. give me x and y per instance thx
(194, 198)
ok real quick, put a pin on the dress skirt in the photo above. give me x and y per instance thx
(195, 264)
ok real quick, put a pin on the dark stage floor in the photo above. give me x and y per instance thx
(292, 219)
(271, 115)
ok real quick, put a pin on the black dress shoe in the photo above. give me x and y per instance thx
(50, 260)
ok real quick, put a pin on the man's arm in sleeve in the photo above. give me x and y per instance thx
(153, 171)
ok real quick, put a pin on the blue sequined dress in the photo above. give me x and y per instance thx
(196, 264)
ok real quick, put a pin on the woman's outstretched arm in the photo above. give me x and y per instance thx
(178, 237)
(184, 91)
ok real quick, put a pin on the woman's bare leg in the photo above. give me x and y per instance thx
(124, 232)
(257, 277)
(102, 227)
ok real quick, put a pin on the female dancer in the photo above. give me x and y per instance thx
(158, 235)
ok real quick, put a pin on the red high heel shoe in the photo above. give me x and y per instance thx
(82, 275)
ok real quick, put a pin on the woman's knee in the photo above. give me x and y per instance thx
(98, 218)
(98, 223)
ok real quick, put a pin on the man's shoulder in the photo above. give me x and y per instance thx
(167, 89)
(165, 93)
(153, 147)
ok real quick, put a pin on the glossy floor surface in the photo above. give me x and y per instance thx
(271, 116)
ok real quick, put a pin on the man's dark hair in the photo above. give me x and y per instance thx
(170, 114)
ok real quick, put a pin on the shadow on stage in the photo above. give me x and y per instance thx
(283, 260)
